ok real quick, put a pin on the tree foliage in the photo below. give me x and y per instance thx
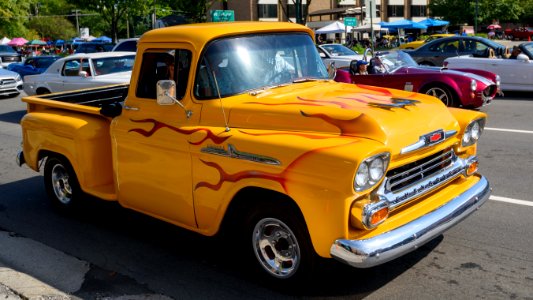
(52, 27)
(13, 15)
(464, 11)
(114, 12)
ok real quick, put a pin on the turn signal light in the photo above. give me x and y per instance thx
(471, 167)
(379, 216)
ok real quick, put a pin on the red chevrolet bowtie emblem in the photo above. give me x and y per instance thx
(435, 137)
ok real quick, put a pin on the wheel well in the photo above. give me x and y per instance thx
(46, 153)
(250, 197)
(42, 91)
(429, 85)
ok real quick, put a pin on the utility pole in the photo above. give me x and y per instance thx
(77, 23)
(298, 6)
(475, 20)
(154, 16)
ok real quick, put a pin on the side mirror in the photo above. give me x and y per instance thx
(166, 92)
(322, 55)
(166, 95)
(522, 57)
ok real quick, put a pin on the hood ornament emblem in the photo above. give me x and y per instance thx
(395, 103)
(429, 139)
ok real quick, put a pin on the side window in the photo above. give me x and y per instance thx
(164, 65)
(438, 47)
(71, 68)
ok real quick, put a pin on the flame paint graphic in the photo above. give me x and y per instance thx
(304, 135)
(159, 125)
(281, 178)
(341, 124)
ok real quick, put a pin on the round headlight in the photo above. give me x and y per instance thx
(475, 131)
(473, 85)
(376, 169)
(362, 176)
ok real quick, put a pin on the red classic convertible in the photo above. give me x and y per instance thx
(396, 69)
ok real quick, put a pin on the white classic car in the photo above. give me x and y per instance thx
(84, 70)
(10, 83)
(515, 74)
(337, 53)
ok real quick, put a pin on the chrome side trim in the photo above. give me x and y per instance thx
(424, 141)
(234, 153)
(400, 241)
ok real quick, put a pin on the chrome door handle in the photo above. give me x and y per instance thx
(130, 108)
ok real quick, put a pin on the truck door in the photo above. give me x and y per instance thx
(151, 143)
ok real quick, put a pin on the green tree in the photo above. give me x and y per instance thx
(463, 11)
(52, 27)
(13, 15)
(196, 10)
(114, 12)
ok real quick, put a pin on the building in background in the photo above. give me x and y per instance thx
(325, 10)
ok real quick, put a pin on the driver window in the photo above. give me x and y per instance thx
(164, 64)
(71, 68)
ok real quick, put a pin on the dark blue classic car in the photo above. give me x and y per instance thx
(33, 65)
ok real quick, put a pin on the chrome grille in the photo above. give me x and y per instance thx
(11, 58)
(7, 81)
(410, 174)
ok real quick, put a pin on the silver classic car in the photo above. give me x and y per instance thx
(10, 83)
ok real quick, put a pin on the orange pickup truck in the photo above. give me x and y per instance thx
(238, 128)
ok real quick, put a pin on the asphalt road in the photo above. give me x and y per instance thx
(111, 252)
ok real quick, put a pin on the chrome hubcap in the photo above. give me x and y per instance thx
(61, 185)
(276, 247)
(440, 94)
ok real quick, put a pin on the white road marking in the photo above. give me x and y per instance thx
(509, 200)
(509, 130)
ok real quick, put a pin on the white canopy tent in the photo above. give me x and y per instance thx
(366, 27)
(335, 27)
(5, 41)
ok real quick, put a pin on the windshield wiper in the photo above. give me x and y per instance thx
(265, 88)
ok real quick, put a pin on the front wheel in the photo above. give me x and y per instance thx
(61, 183)
(280, 243)
(442, 93)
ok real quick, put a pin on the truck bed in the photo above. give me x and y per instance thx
(90, 101)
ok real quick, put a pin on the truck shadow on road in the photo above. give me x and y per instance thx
(121, 241)
(12, 117)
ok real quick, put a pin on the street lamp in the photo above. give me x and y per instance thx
(475, 19)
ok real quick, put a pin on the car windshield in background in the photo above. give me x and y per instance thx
(4, 48)
(45, 62)
(339, 50)
(253, 62)
(396, 59)
(109, 65)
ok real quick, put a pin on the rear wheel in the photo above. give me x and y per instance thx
(442, 93)
(61, 183)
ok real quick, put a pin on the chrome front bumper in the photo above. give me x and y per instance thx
(395, 243)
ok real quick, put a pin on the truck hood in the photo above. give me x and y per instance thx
(395, 118)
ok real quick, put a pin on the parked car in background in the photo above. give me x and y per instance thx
(33, 65)
(435, 52)
(82, 71)
(337, 53)
(127, 45)
(94, 47)
(10, 83)
(8, 56)
(516, 74)
(520, 33)
(396, 69)
(416, 44)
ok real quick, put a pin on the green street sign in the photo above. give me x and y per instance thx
(222, 16)
(350, 21)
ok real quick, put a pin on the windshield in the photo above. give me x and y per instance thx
(109, 65)
(339, 50)
(238, 64)
(393, 60)
(4, 48)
